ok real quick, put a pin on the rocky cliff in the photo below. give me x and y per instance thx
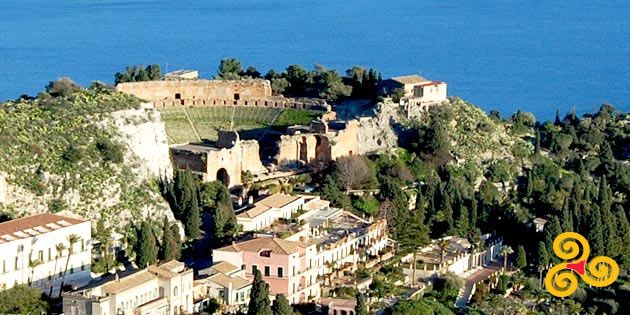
(97, 154)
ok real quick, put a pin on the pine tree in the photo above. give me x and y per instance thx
(361, 307)
(281, 306)
(521, 257)
(146, 253)
(259, 297)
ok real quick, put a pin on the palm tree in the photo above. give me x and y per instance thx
(505, 251)
(443, 245)
(59, 248)
(33, 264)
(72, 239)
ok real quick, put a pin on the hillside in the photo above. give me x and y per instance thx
(95, 153)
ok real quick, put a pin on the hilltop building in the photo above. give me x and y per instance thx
(29, 251)
(418, 92)
(166, 290)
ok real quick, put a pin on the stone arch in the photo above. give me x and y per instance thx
(223, 177)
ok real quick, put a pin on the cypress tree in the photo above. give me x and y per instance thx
(281, 306)
(521, 257)
(596, 233)
(361, 307)
(473, 212)
(193, 218)
(146, 253)
(177, 240)
(170, 245)
(542, 259)
(552, 230)
(537, 146)
(530, 185)
(463, 226)
(420, 211)
(259, 298)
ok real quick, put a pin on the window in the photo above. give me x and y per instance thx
(71, 269)
(243, 267)
(82, 245)
(49, 254)
(16, 263)
(265, 253)
(294, 271)
(294, 288)
(41, 255)
(178, 96)
(254, 268)
(280, 272)
(267, 271)
(175, 291)
(4, 266)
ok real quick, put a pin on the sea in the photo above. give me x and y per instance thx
(537, 56)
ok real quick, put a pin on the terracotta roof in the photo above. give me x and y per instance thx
(34, 225)
(276, 245)
(225, 280)
(225, 267)
(410, 79)
(128, 282)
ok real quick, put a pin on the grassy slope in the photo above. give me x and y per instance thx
(36, 137)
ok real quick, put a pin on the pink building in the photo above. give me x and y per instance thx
(289, 267)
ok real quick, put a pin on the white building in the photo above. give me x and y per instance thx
(29, 252)
(226, 283)
(265, 211)
(343, 239)
(157, 290)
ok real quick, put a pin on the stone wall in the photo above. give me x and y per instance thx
(224, 163)
(318, 147)
(197, 89)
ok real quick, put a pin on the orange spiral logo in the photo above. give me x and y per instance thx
(561, 281)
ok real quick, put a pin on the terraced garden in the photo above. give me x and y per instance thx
(191, 124)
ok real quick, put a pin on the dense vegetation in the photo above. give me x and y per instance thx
(322, 82)
(138, 73)
(483, 174)
(63, 143)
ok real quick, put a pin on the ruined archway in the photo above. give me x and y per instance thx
(303, 151)
(223, 177)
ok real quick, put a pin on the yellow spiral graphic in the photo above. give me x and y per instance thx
(570, 249)
(602, 271)
(560, 281)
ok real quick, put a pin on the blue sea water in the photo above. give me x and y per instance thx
(534, 55)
